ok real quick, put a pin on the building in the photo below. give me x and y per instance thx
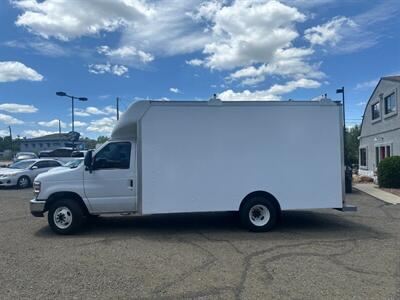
(380, 128)
(49, 142)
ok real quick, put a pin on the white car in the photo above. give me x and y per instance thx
(24, 155)
(23, 173)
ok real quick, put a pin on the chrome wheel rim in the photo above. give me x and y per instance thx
(259, 215)
(62, 217)
(23, 182)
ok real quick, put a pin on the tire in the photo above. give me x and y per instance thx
(23, 182)
(258, 214)
(65, 217)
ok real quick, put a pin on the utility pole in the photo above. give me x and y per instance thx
(59, 127)
(11, 143)
(117, 108)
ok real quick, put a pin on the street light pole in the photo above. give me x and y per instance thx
(11, 142)
(117, 108)
(63, 94)
(341, 91)
(73, 113)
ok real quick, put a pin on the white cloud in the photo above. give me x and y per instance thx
(78, 124)
(168, 30)
(18, 108)
(285, 63)
(52, 123)
(161, 27)
(81, 113)
(118, 70)
(250, 31)
(103, 126)
(37, 133)
(271, 94)
(175, 90)
(91, 110)
(331, 32)
(13, 70)
(361, 103)
(255, 39)
(4, 132)
(195, 62)
(9, 120)
(126, 54)
(94, 111)
(46, 48)
(66, 19)
(367, 84)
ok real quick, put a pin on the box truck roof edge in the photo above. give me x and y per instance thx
(126, 127)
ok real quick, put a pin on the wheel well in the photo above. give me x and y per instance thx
(66, 195)
(26, 176)
(262, 194)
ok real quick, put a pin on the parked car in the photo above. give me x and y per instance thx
(21, 174)
(80, 153)
(61, 154)
(24, 155)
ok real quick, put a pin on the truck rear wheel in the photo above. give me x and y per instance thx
(259, 214)
(65, 217)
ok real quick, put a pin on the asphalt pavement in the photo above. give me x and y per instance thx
(322, 254)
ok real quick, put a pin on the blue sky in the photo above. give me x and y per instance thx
(185, 50)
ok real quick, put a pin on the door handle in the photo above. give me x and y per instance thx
(131, 182)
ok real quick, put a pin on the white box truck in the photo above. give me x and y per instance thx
(257, 158)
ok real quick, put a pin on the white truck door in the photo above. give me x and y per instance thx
(111, 186)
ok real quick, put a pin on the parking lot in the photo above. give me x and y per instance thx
(311, 255)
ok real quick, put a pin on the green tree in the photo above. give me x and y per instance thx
(352, 145)
(102, 139)
(89, 143)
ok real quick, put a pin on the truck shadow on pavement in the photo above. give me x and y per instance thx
(292, 223)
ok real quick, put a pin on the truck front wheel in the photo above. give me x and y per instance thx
(65, 216)
(258, 214)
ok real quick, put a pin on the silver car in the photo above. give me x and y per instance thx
(24, 155)
(23, 173)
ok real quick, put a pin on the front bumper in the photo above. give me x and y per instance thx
(8, 181)
(37, 207)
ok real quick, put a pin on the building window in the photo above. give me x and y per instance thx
(376, 112)
(390, 104)
(33, 145)
(48, 144)
(363, 157)
(381, 152)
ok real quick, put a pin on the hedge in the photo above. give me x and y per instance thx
(389, 172)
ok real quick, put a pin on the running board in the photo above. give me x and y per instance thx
(347, 208)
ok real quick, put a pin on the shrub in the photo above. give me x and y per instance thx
(389, 172)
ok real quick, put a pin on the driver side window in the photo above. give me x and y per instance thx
(113, 156)
(41, 164)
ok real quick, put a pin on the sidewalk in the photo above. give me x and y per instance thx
(374, 191)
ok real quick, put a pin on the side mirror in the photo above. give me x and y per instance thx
(34, 167)
(89, 160)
